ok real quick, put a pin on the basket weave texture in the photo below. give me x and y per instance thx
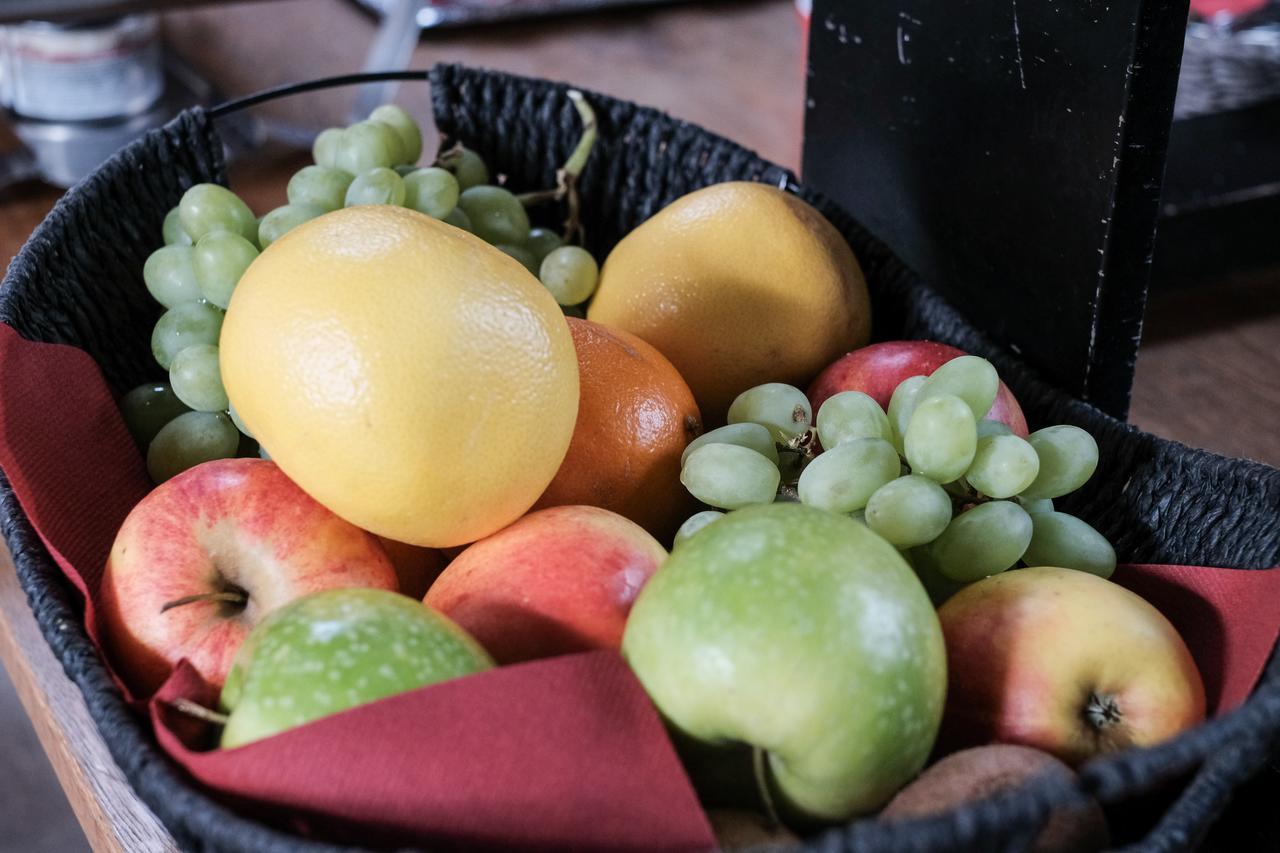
(78, 281)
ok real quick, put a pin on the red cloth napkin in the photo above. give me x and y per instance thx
(561, 754)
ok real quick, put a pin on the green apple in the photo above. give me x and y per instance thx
(806, 636)
(336, 649)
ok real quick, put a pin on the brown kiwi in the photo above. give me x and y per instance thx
(973, 774)
(736, 829)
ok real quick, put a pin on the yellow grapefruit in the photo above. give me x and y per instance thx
(737, 284)
(415, 380)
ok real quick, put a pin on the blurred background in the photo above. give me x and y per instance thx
(78, 79)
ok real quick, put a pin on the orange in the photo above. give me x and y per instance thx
(635, 417)
(737, 284)
(407, 375)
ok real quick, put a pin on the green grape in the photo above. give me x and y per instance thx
(1035, 505)
(367, 145)
(496, 215)
(324, 150)
(458, 219)
(941, 438)
(860, 516)
(186, 325)
(376, 186)
(174, 234)
(843, 478)
(782, 409)
(284, 219)
(521, 254)
(1003, 466)
(147, 408)
(220, 259)
(235, 419)
(405, 127)
(696, 522)
(728, 476)
(542, 242)
(987, 427)
(982, 541)
(909, 511)
(935, 583)
(188, 440)
(206, 208)
(851, 415)
(405, 169)
(968, 377)
(322, 186)
(1068, 458)
(1058, 539)
(170, 275)
(570, 273)
(753, 436)
(197, 380)
(262, 452)
(902, 405)
(432, 191)
(467, 166)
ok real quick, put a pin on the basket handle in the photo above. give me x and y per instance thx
(289, 89)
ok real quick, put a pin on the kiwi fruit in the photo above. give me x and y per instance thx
(982, 771)
(738, 829)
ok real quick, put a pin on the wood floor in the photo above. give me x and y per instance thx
(1208, 373)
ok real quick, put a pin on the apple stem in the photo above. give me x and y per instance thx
(229, 596)
(200, 712)
(762, 785)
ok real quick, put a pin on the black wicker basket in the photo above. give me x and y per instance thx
(78, 281)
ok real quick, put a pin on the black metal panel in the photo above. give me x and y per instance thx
(1012, 152)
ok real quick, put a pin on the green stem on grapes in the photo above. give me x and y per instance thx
(762, 785)
(566, 188)
(200, 712)
(229, 596)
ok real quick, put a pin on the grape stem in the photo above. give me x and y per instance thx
(200, 712)
(566, 188)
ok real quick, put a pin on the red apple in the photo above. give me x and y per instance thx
(558, 580)
(416, 567)
(1066, 662)
(201, 560)
(877, 369)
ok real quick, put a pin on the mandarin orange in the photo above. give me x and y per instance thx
(636, 414)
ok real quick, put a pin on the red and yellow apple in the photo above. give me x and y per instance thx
(1066, 662)
(206, 555)
(877, 369)
(557, 581)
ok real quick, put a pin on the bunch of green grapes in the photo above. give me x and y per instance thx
(212, 237)
(960, 495)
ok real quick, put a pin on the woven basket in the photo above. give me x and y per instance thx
(78, 281)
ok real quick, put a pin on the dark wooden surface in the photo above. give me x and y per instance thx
(1206, 376)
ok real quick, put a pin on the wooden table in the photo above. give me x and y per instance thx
(735, 68)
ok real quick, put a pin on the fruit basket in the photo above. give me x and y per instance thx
(77, 282)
